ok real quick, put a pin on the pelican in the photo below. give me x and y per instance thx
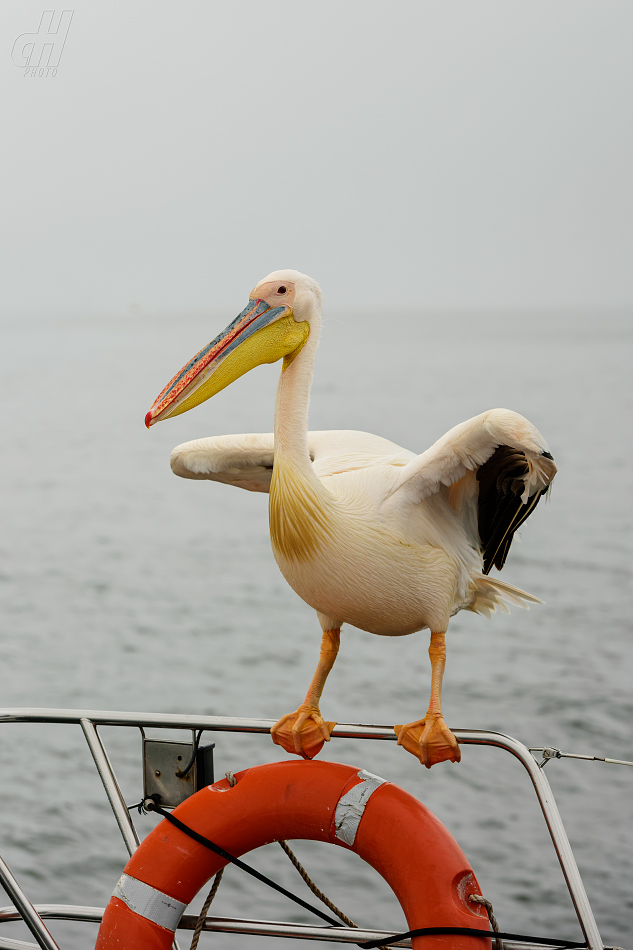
(366, 532)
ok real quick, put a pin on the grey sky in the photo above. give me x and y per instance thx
(446, 154)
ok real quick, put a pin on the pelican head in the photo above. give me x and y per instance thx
(274, 325)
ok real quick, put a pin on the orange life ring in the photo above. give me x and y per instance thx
(323, 801)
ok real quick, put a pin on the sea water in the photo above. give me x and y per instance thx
(124, 587)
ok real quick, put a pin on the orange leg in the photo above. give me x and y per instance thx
(303, 732)
(430, 739)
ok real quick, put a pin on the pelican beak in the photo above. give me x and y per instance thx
(260, 334)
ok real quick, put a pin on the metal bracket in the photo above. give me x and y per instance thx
(548, 753)
(163, 778)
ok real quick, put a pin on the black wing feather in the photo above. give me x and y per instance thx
(501, 511)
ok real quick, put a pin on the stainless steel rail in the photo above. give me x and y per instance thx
(112, 790)
(274, 928)
(6, 943)
(553, 820)
(50, 911)
(90, 718)
(57, 912)
(237, 925)
(26, 909)
(102, 717)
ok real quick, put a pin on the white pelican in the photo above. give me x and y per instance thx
(366, 532)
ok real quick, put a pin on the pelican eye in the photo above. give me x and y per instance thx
(282, 289)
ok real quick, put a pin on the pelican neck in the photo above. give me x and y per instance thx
(293, 402)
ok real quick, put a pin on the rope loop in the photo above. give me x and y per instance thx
(478, 899)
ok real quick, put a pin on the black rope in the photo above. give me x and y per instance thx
(240, 864)
(140, 807)
(150, 805)
(470, 932)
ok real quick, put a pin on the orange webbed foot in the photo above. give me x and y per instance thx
(430, 740)
(302, 732)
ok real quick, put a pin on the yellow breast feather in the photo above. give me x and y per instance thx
(300, 522)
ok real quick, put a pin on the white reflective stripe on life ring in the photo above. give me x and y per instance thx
(148, 902)
(351, 806)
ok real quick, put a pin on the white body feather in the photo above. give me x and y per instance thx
(404, 552)
(363, 530)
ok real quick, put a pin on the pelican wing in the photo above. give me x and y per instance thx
(494, 469)
(246, 461)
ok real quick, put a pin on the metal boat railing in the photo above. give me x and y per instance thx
(89, 720)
